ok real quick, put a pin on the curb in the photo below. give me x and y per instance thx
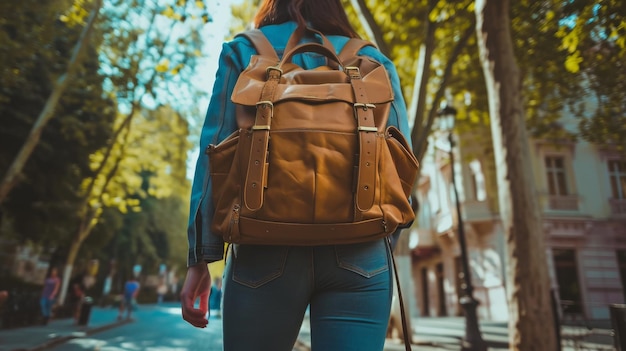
(75, 335)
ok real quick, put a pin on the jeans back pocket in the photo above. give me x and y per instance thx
(367, 259)
(256, 265)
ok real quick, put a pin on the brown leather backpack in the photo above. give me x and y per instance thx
(312, 162)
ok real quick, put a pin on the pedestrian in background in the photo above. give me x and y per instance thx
(129, 301)
(266, 288)
(4, 295)
(161, 290)
(48, 294)
(76, 296)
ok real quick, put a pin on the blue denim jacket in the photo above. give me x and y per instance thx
(220, 122)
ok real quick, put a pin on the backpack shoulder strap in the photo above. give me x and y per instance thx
(260, 42)
(352, 47)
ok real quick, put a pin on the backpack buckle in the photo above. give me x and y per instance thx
(367, 129)
(264, 104)
(269, 69)
(363, 106)
(353, 72)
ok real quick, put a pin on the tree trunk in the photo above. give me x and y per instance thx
(423, 122)
(527, 273)
(416, 110)
(369, 25)
(69, 262)
(12, 177)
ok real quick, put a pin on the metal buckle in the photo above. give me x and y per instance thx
(266, 103)
(263, 127)
(350, 69)
(273, 68)
(367, 129)
(363, 106)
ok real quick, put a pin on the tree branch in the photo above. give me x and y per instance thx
(420, 141)
(371, 27)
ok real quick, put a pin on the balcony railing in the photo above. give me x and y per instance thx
(476, 211)
(563, 202)
(618, 206)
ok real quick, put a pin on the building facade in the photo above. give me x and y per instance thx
(581, 189)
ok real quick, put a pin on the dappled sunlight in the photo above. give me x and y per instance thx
(172, 310)
(85, 343)
(124, 343)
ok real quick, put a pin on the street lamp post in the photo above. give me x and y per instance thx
(472, 340)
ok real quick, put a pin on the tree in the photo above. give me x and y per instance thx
(593, 36)
(529, 298)
(42, 207)
(149, 54)
(11, 177)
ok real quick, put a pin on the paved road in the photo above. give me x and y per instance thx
(161, 328)
(154, 328)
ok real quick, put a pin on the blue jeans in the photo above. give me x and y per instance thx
(267, 290)
(46, 306)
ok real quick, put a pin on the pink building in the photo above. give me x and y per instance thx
(582, 192)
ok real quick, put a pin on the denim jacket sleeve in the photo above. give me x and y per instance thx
(218, 124)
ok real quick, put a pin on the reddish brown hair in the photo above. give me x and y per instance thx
(327, 16)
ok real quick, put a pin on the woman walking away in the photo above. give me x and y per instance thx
(267, 288)
(49, 293)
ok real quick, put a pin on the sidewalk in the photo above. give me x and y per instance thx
(40, 337)
(446, 333)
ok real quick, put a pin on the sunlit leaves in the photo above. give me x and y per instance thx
(76, 15)
(572, 62)
(169, 12)
(163, 65)
(594, 34)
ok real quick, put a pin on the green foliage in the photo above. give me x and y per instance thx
(243, 14)
(114, 157)
(148, 55)
(565, 52)
(44, 207)
(593, 35)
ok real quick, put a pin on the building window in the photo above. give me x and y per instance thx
(567, 277)
(555, 170)
(478, 181)
(617, 175)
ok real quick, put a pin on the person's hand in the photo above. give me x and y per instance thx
(197, 285)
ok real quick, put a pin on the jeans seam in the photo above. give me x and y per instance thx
(312, 263)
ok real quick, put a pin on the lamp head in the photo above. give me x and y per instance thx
(446, 117)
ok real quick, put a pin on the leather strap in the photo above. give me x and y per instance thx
(300, 32)
(352, 48)
(256, 179)
(367, 131)
(315, 234)
(405, 327)
(260, 43)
